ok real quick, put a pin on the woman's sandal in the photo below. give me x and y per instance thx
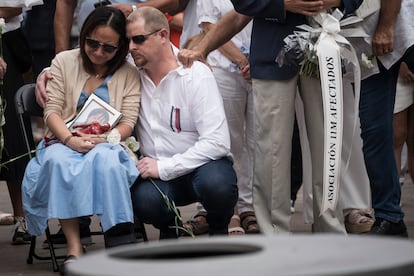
(197, 225)
(6, 219)
(235, 230)
(249, 222)
(359, 220)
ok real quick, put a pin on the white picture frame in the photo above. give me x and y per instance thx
(95, 109)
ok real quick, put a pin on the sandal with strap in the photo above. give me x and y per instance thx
(249, 222)
(197, 226)
(359, 220)
(235, 230)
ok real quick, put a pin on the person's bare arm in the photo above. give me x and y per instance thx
(228, 49)
(383, 39)
(221, 32)
(63, 23)
(8, 12)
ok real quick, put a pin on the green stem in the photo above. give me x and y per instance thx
(171, 207)
(18, 157)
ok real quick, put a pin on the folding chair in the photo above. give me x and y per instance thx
(26, 105)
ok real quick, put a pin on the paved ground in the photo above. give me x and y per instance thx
(13, 258)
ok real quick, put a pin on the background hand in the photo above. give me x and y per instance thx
(40, 91)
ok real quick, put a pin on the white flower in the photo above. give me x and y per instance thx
(114, 137)
(132, 143)
(2, 23)
(366, 61)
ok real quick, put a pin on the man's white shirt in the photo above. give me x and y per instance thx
(182, 122)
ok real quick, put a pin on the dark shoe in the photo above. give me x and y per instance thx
(120, 234)
(20, 235)
(387, 228)
(59, 239)
(168, 233)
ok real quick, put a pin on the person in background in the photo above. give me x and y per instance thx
(404, 116)
(38, 29)
(82, 174)
(5, 218)
(274, 109)
(176, 27)
(185, 141)
(390, 32)
(16, 54)
(230, 66)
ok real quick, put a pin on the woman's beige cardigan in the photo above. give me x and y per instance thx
(69, 78)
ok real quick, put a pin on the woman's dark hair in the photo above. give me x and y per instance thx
(105, 16)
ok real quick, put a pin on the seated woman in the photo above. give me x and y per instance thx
(83, 174)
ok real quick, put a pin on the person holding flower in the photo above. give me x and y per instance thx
(183, 132)
(83, 174)
(274, 93)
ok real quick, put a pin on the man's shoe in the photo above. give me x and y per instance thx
(20, 235)
(59, 240)
(387, 228)
(168, 233)
(120, 234)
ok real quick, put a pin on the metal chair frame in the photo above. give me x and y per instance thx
(26, 105)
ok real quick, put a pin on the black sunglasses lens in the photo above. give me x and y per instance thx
(109, 48)
(95, 45)
(92, 43)
(139, 39)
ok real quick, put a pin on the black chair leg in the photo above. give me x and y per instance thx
(52, 257)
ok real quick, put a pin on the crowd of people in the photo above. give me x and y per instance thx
(218, 119)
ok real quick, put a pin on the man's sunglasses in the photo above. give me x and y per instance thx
(139, 39)
(94, 44)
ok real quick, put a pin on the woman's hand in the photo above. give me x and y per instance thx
(82, 143)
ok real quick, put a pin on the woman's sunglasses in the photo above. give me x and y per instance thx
(139, 39)
(94, 44)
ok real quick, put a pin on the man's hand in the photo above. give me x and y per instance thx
(187, 57)
(148, 168)
(383, 41)
(245, 72)
(305, 7)
(40, 91)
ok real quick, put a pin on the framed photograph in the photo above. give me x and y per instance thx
(96, 110)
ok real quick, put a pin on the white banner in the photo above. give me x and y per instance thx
(329, 58)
